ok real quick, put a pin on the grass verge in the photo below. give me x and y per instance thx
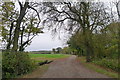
(98, 68)
(37, 73)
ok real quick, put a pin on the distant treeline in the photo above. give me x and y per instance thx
(41, 52)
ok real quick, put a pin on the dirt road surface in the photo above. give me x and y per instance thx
(70, 68)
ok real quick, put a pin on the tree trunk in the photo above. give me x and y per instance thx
(17, 29)
(10, 36)
(16, 36)
(89, 52)
(88, 44)
(22, 45)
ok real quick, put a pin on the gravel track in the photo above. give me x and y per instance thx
(70, 68)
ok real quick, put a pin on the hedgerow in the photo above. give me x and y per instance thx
(108, 63)
(15, 64)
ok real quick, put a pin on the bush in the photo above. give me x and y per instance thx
(16, 64)
(108, 63)
(112, 52)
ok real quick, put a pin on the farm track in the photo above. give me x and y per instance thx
(70, 68)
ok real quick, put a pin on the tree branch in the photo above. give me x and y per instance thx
(36, 12)
(20, 5)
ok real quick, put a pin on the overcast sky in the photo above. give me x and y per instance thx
(45, 41)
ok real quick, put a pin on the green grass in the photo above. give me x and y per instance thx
(42, 57)
(48, 55)
(99, 69)
(37, 73)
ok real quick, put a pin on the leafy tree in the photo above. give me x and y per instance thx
(18, 29)
(58, 50)
(113, 30)
(53, 50)
(66, 50)
(7, 22)
(76, 42)
(23, 9)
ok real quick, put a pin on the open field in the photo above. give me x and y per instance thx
(47, 56)
(42, 57)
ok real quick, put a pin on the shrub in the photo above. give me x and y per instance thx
(16, 64)
(109, 63)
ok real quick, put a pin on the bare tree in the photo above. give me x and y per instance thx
(85, 17)
(118, 8)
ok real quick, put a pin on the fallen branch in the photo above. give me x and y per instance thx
(45, 62)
